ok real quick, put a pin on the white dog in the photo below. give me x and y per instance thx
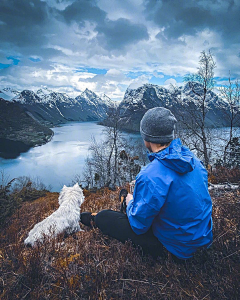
(65, 219)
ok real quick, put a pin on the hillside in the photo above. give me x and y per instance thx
(88, 265)
(19, 131)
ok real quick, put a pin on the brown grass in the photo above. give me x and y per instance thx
(88, 265)
(224, 175)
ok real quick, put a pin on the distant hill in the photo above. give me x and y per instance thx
(19, 131)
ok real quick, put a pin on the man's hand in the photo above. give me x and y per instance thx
(128, 198)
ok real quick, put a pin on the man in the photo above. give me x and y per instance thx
(170, 206)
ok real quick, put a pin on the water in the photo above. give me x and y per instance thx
(57, 162)
(217, 139)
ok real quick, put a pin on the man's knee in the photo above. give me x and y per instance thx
(110, 221)
(102, 218)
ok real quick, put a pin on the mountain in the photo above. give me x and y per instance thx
(18, 131)
(52, 108)
(49, 108)
(92, 106)
(217, 110)
(108, 101)
(137, 101)
(8, 93)
(26, 97)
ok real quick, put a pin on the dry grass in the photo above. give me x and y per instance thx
(88, 265)
(224, 175)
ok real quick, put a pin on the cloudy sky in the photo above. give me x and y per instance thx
(107, 45)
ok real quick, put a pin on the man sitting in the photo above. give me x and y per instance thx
(170, 206)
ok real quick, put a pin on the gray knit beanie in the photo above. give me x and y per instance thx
(157, 125)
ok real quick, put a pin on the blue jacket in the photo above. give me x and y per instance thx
(171, 195)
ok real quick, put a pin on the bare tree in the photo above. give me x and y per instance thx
(231, 108)
(112, 161)
(113, 142)
(97, 162)
(88, 177)
(101, 167)
(197, 104)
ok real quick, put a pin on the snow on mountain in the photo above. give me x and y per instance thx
(43, 96)
(50, 108)
(187, 94)
(60, 98)
(93, 107)
(168, 98)
(137, 101)
(143, 98)
(90, 97)
(8, 93)
(43, 93)
(135, 96)
(27, 97)
(48, 95)
(108, 101)
(94, 99)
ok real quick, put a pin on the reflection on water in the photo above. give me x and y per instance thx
(56, 162)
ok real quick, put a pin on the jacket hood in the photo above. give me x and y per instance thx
(176, 157)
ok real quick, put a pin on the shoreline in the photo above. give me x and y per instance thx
(12, 149)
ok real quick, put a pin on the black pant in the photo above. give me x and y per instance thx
(116, 225)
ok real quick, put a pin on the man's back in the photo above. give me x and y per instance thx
(171, 194)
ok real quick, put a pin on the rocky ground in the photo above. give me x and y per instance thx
(88, 265)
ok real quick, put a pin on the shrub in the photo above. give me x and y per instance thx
(222, 174)
(16, 191)
(8, 203)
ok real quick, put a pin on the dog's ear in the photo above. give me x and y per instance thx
(64, 186)
(76, 184)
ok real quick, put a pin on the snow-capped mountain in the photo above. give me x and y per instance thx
(48, 96)
(8, 93)
(93, 107)
(137, 101)
(108, 101)
(27, 97)
(145, 95)
(43, 92)
(51, 108)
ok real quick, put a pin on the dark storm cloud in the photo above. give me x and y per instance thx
(82, 10)
(189, 17)
(29, 27)
(23, 22)
(111, 34)
(120, 33)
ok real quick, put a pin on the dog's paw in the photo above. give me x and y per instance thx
(28, 245)
(28, 242)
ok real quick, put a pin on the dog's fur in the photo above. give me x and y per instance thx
(65, 219)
